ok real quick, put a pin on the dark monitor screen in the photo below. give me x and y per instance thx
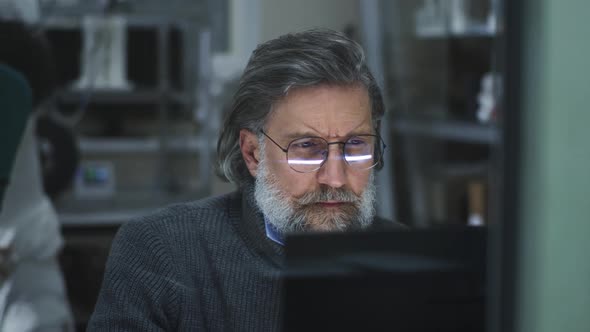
(408, 280)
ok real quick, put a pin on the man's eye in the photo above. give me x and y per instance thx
(305, 145)
(356, 141)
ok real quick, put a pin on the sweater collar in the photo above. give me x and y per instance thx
(249, 221)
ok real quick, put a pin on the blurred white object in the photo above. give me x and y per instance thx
(104, 53)
(486, 99)
(27, 209)
(458, 16)
(35, 274)
(6, 238)
(492, 19)
(475, 220)
(20, 10)
(430, 19)
(20, 317)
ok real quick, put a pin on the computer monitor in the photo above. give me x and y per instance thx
(404, 280)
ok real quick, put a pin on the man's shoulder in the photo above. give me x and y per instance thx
(211, 209)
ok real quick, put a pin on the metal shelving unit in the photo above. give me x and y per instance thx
(140, 96)
(452, 130)
(429, 129)
(471, 31)
(158, 150)
(190, 144)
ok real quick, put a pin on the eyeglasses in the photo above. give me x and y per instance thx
(308, 154)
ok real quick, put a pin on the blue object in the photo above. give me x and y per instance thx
(272, 233)
(16, 103)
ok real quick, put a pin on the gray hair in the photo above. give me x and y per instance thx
(308, 58)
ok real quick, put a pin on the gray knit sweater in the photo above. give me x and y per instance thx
(201, 266)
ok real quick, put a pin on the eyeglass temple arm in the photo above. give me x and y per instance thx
(272, 140)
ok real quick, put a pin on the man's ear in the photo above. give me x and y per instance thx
(250, 150)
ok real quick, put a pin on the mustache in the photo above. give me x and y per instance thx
(326, 193)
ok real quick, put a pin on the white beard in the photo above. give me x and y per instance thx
(289, 215)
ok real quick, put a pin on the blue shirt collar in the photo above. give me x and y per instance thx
(272, 233)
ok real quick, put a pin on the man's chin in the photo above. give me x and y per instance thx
(331, 225)
(331, 218)
(326, 227)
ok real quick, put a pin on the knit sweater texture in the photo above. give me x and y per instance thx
(198, 266)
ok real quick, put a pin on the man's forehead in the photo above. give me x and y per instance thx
(325, 110)
(295, 130)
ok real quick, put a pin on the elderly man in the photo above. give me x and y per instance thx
(301, 142)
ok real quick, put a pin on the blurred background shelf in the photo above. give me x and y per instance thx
(465, 170)
(192, 144)
(139, 12)
(141, 96)
(456, 130)
(73, 20)
(471, 31)
(118, 209)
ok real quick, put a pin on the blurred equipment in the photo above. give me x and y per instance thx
(95, 179)
(455, 17)
(134, 90)
(104, 61)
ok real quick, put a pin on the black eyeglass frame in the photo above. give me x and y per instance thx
(378, 154)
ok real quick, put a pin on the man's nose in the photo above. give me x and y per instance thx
(333, 172)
